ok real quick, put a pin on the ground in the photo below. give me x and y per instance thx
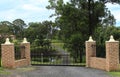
(54, 71)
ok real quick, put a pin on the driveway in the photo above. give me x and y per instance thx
(55, 71)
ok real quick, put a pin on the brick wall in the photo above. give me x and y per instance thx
(110, 63)
(8, 55)
(99, 63)
(22, 62)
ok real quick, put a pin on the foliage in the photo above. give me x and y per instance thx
(43, 50)
(77, 19)
(5, 28)
(103, 34)
(38, 31)
(15, 28)
(19, 26)
(75, 46)
(75, 15)
(43, 47)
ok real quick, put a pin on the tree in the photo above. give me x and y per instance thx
(19, 25)
(75, 46)
(109, 19)
(110, 1)
(49, 28)
(80, 17)
(103, 34)
(91, 12)
(38, 31)
(6, 28)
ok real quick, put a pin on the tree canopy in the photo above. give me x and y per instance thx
(78, 19)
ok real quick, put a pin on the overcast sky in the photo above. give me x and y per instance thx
(35, 10)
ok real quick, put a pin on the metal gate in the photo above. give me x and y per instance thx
(53, 59)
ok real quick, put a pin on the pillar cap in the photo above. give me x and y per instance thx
(112, 39)
(7, 41)
(90, 39)
(24, 40)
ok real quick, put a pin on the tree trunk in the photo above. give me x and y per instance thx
(89, 10)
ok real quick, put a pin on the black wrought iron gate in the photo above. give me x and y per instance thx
(53, 59)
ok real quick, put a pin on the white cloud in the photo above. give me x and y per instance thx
(30, 7)
(115, 10)
(28, 10)
(35, 10)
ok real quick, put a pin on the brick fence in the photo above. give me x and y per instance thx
(8, 55)
(110, 63)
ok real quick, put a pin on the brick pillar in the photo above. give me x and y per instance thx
(112, 54)
(27, 50)
(90, 50)
(8, 56)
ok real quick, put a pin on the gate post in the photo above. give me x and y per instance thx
(27, 50)
(8, 54)
(112, 54)
(90, 50)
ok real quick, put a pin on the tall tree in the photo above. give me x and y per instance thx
(37, 31)
(100, 4)
(19, 26)
(80, 17)
(6, 28)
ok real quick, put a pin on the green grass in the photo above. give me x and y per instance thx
(115, 74)
(58, 44)
(2, 71)
(57, 63)
(56, 41)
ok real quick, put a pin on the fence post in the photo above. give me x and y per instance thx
(90, 50)
(112, 54)
(8, 55)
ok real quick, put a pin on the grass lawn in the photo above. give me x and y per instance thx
(57, 63)
(2, 71)
(58, 44)
(116, 73)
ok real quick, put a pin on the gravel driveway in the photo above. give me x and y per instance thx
(55, 71)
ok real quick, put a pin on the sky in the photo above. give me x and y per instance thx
(35, 10)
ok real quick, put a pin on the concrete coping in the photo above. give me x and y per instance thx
(20, 60)
(25, 40)
(112, 39)
(7, 41)
(90, 39)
